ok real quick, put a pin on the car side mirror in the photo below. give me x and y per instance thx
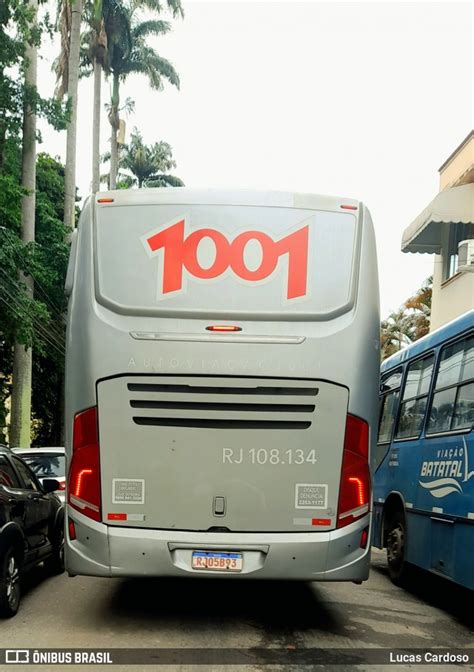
(50, 484)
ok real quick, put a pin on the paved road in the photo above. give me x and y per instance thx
(89, 612)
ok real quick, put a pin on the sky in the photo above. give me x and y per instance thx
(358, 100)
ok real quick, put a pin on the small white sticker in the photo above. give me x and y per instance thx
(311, 496)
(128, 491)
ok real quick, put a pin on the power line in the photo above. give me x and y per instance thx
(47, 299)
(39, 289)
(43, 335)
(46, 335)
(19, 310)
(16, 284)
(42, 331)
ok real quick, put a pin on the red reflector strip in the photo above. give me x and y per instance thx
(223, 327)
(349, 207)
(72, 530)
(105, 200)
(364, 538)
(116, 516)
(320, 521)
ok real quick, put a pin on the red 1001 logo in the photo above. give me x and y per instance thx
(181, 251)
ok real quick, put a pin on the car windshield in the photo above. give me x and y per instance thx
(53, 465)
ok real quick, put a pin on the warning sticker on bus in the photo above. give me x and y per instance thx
(128, 491)
(311, 496)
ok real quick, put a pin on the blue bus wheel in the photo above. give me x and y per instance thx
(396, 545)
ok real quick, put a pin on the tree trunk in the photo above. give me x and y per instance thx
(70, 169)
(114, 122)
(96, 127)
(20, 434)
(113, 159)
(20, 416)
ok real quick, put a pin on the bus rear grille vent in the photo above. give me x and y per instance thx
(257, 404)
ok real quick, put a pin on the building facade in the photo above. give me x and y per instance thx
(445, 223)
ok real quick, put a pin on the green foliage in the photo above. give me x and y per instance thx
(56, 113)
(145, 165)
(51, 251)
(10, 189)
(38, 322)
(49, 266)
(18, 312)
(409, 323)
(16, 33)
(129, 52)
(418, 308)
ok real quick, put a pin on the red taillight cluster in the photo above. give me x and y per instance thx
(355, 491)
(84, 472)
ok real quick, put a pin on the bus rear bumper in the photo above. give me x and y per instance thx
(102, 550)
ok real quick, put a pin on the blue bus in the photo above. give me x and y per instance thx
(424, 470)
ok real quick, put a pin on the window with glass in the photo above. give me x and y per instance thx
(390, 388)
(452, 408)
(8, 477)
(415, 398)
(457, 233)
(26, 475)
(46, 465)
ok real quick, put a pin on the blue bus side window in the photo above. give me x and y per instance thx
(453, 400)
(415, 398)
(464, 409)
(390, 388)
(388, 413)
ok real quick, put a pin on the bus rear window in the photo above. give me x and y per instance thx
(200, 259)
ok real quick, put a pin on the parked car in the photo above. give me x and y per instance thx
(31, 527)
(46, 463)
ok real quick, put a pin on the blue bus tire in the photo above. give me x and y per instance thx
(396, 544)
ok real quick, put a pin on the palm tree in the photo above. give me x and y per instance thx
(419, 306)
(148, 164)
(135, 56)
(396, 332)
(96, 38)
(108, 38)
(67, 67)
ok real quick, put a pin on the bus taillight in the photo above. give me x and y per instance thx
(84, 472)
(354, 492)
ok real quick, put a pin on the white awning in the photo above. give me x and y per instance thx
(452, 206)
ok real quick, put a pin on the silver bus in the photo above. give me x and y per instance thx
(221, 385)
